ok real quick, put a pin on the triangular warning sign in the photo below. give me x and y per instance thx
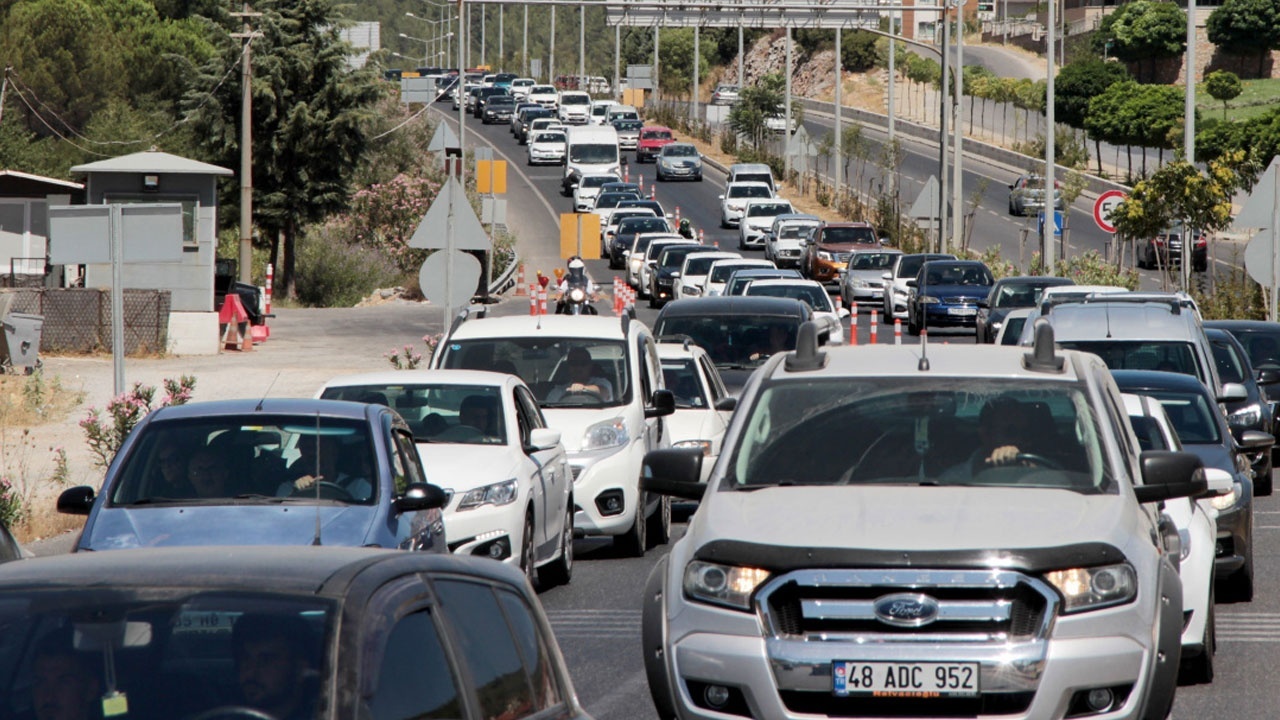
(443, 139)
(468, 233)
(1256, 212)
(926, 205)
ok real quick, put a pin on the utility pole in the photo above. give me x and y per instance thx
(945, 81)
(1050, 185)
(484, 55)
(502, 54)
(697, 32)
(617, 62)
(582, 48)
(742, 81)
(656, 84)
(551, 61)
(839, 173)
(786, 116)
(957, 155)
(524, 49)
(246, 144)
(1189, 140)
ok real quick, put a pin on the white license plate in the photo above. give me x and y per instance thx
(890, 679)
(964, 312)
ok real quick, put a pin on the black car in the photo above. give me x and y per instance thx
(1261, 341)
(626, 233)
(482, 97)
(1008, 294)
(662, 279)
(947, 293)
(257, 632)
(498, 108)
(526, 119)
(1203, 430)
(1252, 412)
(738, 333)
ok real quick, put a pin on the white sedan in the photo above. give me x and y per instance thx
(703, 406)
(547, 148)
(830, 319)
(482, 437)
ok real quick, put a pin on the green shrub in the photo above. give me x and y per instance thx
(333, 272)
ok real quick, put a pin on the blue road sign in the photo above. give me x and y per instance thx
(1057, 223)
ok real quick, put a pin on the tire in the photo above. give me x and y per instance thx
(560, 570)
(634, 541)
(1198, 670)
(527, 560)
(1238, 586)
(659, 531)
(698, 177)
(1264, 487)
(912, 329)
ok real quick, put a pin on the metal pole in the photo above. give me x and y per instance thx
(246, 160)
(484, 54)
(617, 62)
(893, 82)
(551, 61)
(1189, 140)
(742, 81)
(582, 47)
(945, 109)
(502, 53)
(957, 162)
(524, 48)
(656, 84)
(839, 173)
(1274, 232)
(462, 169)
(1050, 185)
(697, 56)
(786, 116)
(116, 231)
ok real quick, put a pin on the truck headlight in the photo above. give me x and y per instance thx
(605, 435)
(725, 585)
(1246, 416)
(1226, 502)
(502, 493)
(1096, 587)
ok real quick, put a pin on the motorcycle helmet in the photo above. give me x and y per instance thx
(685, 224)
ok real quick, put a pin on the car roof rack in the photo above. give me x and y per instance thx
(1043, 356)
(1175, 302)
(678, 338)
(806, 357)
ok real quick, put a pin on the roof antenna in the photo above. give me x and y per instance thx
(258, 407)
(1107, 308)
(315, 541)
(923, 365)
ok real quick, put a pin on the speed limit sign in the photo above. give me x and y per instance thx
(1102, 209)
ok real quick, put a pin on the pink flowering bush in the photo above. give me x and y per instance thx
(107, 431)
(386, 215)
(13, 506)
(403, 359)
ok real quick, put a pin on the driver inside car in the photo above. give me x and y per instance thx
(320, 459)
(1002, 438)
(581, 378)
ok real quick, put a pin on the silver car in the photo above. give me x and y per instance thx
(863, 280)
(679, 161)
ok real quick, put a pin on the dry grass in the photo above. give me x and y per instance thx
(45, 522)
(30, 400)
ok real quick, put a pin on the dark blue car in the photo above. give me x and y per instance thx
(264, 472)
(947, 293)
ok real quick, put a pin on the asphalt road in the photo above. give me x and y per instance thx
(597, 617)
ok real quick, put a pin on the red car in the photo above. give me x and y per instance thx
(652, 139)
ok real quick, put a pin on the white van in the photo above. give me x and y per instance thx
(575, 107)
(590, 150)
(622, 112)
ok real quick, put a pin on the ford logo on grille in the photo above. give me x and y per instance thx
(906, 609)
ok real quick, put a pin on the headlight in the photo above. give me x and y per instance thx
(722, 584)
(1093, 588)
(577, 295)
(929, 299)
(824, 255)
(996, 325)
(1246, 416)
(857, 282)
(503, 493)
(605, 435)
(735, 208)
(703, 445)
(1226, 502)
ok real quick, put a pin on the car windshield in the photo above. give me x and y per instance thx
(735, 341)
(628, 214)
(1017, 295)
(749, 191)
(673, 256)
(655, 251)
(816, 297)
(872, 261)
(627, 125)
(765, 178)
(1263, 348)
(1161, 355)
(146, 647)
(957, 274)
(680, 151)
(609, 200)
(910, 265)
(549, 137)
(553, 368)
(228, 459)
(681, 378)
(796, 231)
(768, 209)
(439, 413)
(575, 99)
(542, 90)
(1191, 416)
(920, 432)
(1230, 366)
(632, 226)
(595, 181)
(593, 153)
(863, 235)
(738, 282)
(1012, 330)
(655, 135)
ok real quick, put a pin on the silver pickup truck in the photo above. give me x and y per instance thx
(969, 534)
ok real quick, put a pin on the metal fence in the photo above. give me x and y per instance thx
(78, 320)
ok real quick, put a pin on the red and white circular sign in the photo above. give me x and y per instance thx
(1107, 202)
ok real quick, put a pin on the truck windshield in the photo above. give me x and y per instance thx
(593, 153)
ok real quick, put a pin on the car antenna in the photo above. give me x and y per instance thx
(258, 407)
(923, 365)
(1106, 307)
(315, 541)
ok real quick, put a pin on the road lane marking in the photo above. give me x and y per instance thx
(595, 624)
(1248, 627)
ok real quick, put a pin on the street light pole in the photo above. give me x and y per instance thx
(1189, 140)
(838, 174)
(524, 48)
(1050, 185)
(943, 178)
(697, 33)
(786, 116)
(957, 156)
(551, 60)
(582, 47)
(617, 62)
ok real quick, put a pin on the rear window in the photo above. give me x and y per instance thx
(766, 178)
(1164, 356)
(768, 209)
(749, 191)
(656, 135)
(872, 261)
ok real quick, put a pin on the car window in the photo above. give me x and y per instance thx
(872, 261)
(543, 364)
(1190, 415)
(680, 151)
(765, 178)
(699, 266)
(549, 137)
(681, 377)
(734, 341)
(642, 225)
(435, 411)
(749, 191)
(722, 271)
(408, 453)
(863, 235)
(1015, 295)
(534, 651)
(1148, 432)
(1230, 369)
(923, 432)
(243, 459)
(529, 407)
(485, 643)
(816, 297)
(1165, 356)
(415, 679)
(1263, 348)
(768, 209)
(595, 181)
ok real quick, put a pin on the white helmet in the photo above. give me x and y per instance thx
(576, 264)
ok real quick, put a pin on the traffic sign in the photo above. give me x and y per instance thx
(468, 233)
(1057, 223)
(1104, 206)
(461, 277)
(1257, 259)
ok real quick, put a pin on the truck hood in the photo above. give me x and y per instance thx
(292, 524)
(460, 467)
(912, 518)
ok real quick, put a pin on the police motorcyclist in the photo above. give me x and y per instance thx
(686, 229)
(576, 277)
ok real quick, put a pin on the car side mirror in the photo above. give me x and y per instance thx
(543, 439)
(843, 313)
(887, 276)
(1219, 482)
(728, 403)
(673, 471)
(420, 496)
(885, 241)
(1167, 474)
(1255, 440)
(1268, 377)
(912, 283)
(984, 304)
(721, 197)
(76, 501)
(664, 403)
(1233, 391)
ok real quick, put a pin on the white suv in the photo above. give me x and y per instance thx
(574, 107)
(861, 549)
(599, 382)
(545, 95)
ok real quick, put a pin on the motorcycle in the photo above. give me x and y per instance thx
(576, 301)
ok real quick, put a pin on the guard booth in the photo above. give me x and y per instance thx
(159, 177)
(24, 226)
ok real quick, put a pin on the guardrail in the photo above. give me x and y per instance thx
(507, 279)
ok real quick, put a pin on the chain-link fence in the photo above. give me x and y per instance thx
(78, 320)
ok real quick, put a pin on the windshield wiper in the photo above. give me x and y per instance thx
(259, 496)
(751, 487)
(158, 500)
